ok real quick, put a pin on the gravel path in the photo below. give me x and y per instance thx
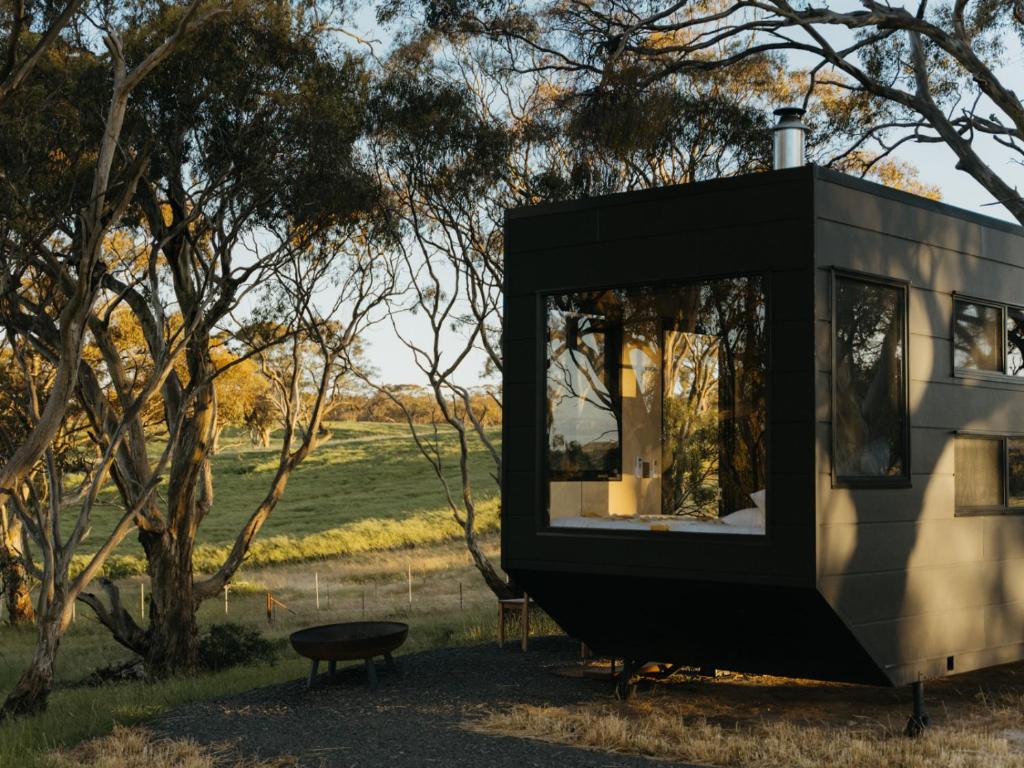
(412, 721)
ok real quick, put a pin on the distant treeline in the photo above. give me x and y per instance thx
(419, 401)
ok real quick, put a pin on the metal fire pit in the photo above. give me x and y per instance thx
(348, 641)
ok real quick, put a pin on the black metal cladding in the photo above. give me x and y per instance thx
(876, 585)
(758, 225)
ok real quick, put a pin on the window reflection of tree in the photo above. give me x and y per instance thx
(714, 430)
(581, 381)
(1015, 342)
(869, 379)
(976, 337)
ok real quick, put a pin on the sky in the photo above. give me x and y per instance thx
(935, 164)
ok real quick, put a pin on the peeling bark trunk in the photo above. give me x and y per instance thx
(173, 646)
(30, 695)
(13, 578)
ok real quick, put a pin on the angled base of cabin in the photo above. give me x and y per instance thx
(772, 424)
(758, 629)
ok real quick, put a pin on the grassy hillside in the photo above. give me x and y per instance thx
(367, 489)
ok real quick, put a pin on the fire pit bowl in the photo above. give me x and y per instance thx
(347, 641)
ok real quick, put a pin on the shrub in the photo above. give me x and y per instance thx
(230, 645)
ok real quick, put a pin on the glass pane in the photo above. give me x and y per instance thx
(689, 408)
(869, 380)
(1015, 341)
(1016, 466)
(583, 424)
(979, 472)
(977, 336)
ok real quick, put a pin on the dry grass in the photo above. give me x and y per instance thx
(744, 721)
(137, 747)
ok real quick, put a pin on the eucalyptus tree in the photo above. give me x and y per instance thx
(68, 179)
(253, 180)
(936, 72)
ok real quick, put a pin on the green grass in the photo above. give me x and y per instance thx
(450, 606)
(358, 513)
(368, 488)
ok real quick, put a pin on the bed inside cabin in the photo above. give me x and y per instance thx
(656, 407)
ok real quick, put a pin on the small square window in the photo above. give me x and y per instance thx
(979, 472)
(977, 336)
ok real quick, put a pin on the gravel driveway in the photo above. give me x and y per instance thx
(412, 721)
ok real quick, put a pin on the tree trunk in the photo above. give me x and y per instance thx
(264, 437)
(30, 694)
(173, 629)
(215, 443)
(13, 578)
(502, 590)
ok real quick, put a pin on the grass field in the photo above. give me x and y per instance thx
(357, 516)
(450, 606)
(367, 488)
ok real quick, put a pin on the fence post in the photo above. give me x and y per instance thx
(226, 588)
(409, 576)
(270, 608)
(142, 600)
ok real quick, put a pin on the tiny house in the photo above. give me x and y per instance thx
(772, 423)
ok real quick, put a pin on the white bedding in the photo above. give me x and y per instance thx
(745, 521)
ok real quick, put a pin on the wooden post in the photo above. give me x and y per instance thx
(409, 576)
(270, 608)
(525, 620)
(142, 600)
(226, 588)
(316, 587)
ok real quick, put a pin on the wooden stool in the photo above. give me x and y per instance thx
(514, 605)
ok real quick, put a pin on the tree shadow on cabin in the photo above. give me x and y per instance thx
(926, 591)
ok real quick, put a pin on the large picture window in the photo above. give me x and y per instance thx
(989, 473)
(656, 408)
(988, 337)
(869, 382)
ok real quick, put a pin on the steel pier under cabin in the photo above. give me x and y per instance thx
(772, 423)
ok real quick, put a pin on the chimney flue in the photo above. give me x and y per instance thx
(789, 138)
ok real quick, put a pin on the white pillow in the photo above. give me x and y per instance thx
(758, 498)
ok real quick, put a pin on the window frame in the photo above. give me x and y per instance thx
(1000, 509)
(905, 479)
(541, 462)
(1001, 375)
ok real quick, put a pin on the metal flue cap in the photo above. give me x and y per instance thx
(789, 138)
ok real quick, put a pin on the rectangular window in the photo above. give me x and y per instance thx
(656, 408)
(979, 472)
(989, 472)
(988, 337)
(1015, 472)
(977, 336)
(869, 382)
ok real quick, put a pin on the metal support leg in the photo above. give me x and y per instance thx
(624, 686)
(501, 624)
(371, 674)
(312, 673)
(390, 661)
(332, 666)
(919, 718)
